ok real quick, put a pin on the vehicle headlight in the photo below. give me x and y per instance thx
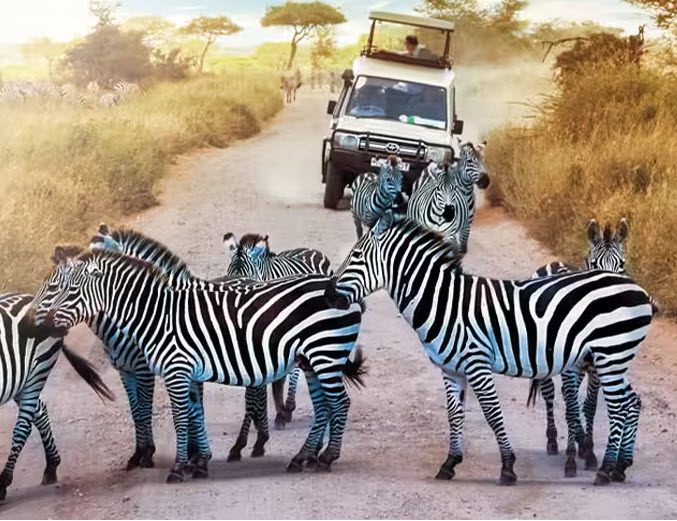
(348, 141)
(436, 154)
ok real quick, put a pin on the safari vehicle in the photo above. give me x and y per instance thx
(393, 101)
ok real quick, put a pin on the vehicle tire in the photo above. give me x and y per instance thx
(334, 186)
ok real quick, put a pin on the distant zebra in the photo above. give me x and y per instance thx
(251, 258)
(606, 252)
(375, 193)
(27, 355)
(109, 99)
(69, 92)
(126, 90)
(472, 327)
(444, 202)
(235, 333)
(289, 84)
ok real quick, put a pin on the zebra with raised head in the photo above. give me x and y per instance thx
(236, 333)
(472, 327)
(606, 251)
(444, 202)
(375, 193)
(27, 356)
(251, 258)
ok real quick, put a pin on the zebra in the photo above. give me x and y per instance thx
(472, 327)
(444, 202)
(290, 85)
(237, 332)
(375, 193)
(69, 92)
(606, 252)
(251, 258)
(109, 99)
(27, 355)
(126, 90)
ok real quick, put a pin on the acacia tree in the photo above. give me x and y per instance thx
(323, 47)
(304, 17)
(664, 11)
(44, 48)
(210, 28)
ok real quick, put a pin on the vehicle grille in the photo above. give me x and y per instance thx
(409, 148)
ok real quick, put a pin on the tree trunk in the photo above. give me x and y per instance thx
(204, 53)
(292, 52)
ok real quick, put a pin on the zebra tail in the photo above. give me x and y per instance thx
(355, 370)
(87, 372)
(534, 390)
(655, 308)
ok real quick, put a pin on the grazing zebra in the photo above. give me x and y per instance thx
(69, 92)
(126, 90)
(251, 258)
(445, 202)
(472, 327)
(27, 355)
(375, 193)
(236, 333)
(109, 99)
(606, 252)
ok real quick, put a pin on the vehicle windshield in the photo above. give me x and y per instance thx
(407, 102)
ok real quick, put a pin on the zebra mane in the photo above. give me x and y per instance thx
(140, 241)
(127, 260)
(437, 241)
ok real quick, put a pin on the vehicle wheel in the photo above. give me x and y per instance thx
(333, 188)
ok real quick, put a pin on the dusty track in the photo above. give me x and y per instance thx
(397, 431)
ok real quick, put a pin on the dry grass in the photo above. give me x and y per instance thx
(604, 148)
(64, 169)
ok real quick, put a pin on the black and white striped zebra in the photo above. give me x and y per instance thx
(374, 193)
(235, 333)
(71, 93)
(251, 258)
(606, 251)
(27, 356)
(126, 90)
(444, 201)
(472, 327)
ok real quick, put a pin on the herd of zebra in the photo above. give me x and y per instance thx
(275, 314)
(27, 91)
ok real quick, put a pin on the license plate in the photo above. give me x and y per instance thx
(379, 162)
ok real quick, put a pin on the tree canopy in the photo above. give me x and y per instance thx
(210, 28)
(304, 17)
(664, 11)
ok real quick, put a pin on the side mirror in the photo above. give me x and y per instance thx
(348, 75)
(458, 127)
(331, 106)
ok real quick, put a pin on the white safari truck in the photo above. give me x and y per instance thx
(393, 101)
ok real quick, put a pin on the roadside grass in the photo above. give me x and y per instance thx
(605, 147)
(64, 169)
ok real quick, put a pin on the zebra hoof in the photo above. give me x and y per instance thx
(295, 466)
(551, 448)
(49, 477)
(3, 493)
(445, 474)
(200, 469)
(146, 459)
(507, 478)
(258, 452)
(570, 470)
(617, 476)
(591, 461)
(234, 455)
(134, 461)
(176, 474)
(602, 478)
(322, 466)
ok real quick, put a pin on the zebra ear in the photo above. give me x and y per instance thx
(593, 232)
(94, 271)
(103, 229)
(230, 242)
(260, 248)
(60, 256)
(622, 230)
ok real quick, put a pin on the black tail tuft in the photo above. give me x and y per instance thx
(87, 372)
(534, 390)
(355, 370)
(655, 308)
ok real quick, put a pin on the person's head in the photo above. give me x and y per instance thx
(411, 42)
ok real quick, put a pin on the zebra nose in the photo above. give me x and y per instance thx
(49, 318)
(449, 213)
(483, 181)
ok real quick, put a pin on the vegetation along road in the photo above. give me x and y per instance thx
(396, 436)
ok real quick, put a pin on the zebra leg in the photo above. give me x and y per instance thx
(136, 387)
(28, 405)
(258, 405)
(481, 381)
(548, 393)
(178, 387)
(283, 416)
(614, 387)
(52, 458)
(321, 410)
(339, 403)
(454, 387)
(199, 453)
(571, 383)
(290, 403)
(627, 448)
(586, 450)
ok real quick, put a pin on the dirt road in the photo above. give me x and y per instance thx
(397, 430)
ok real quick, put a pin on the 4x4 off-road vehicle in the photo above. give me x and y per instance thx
(393, 101)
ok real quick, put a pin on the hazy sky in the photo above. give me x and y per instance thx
(23, 20)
